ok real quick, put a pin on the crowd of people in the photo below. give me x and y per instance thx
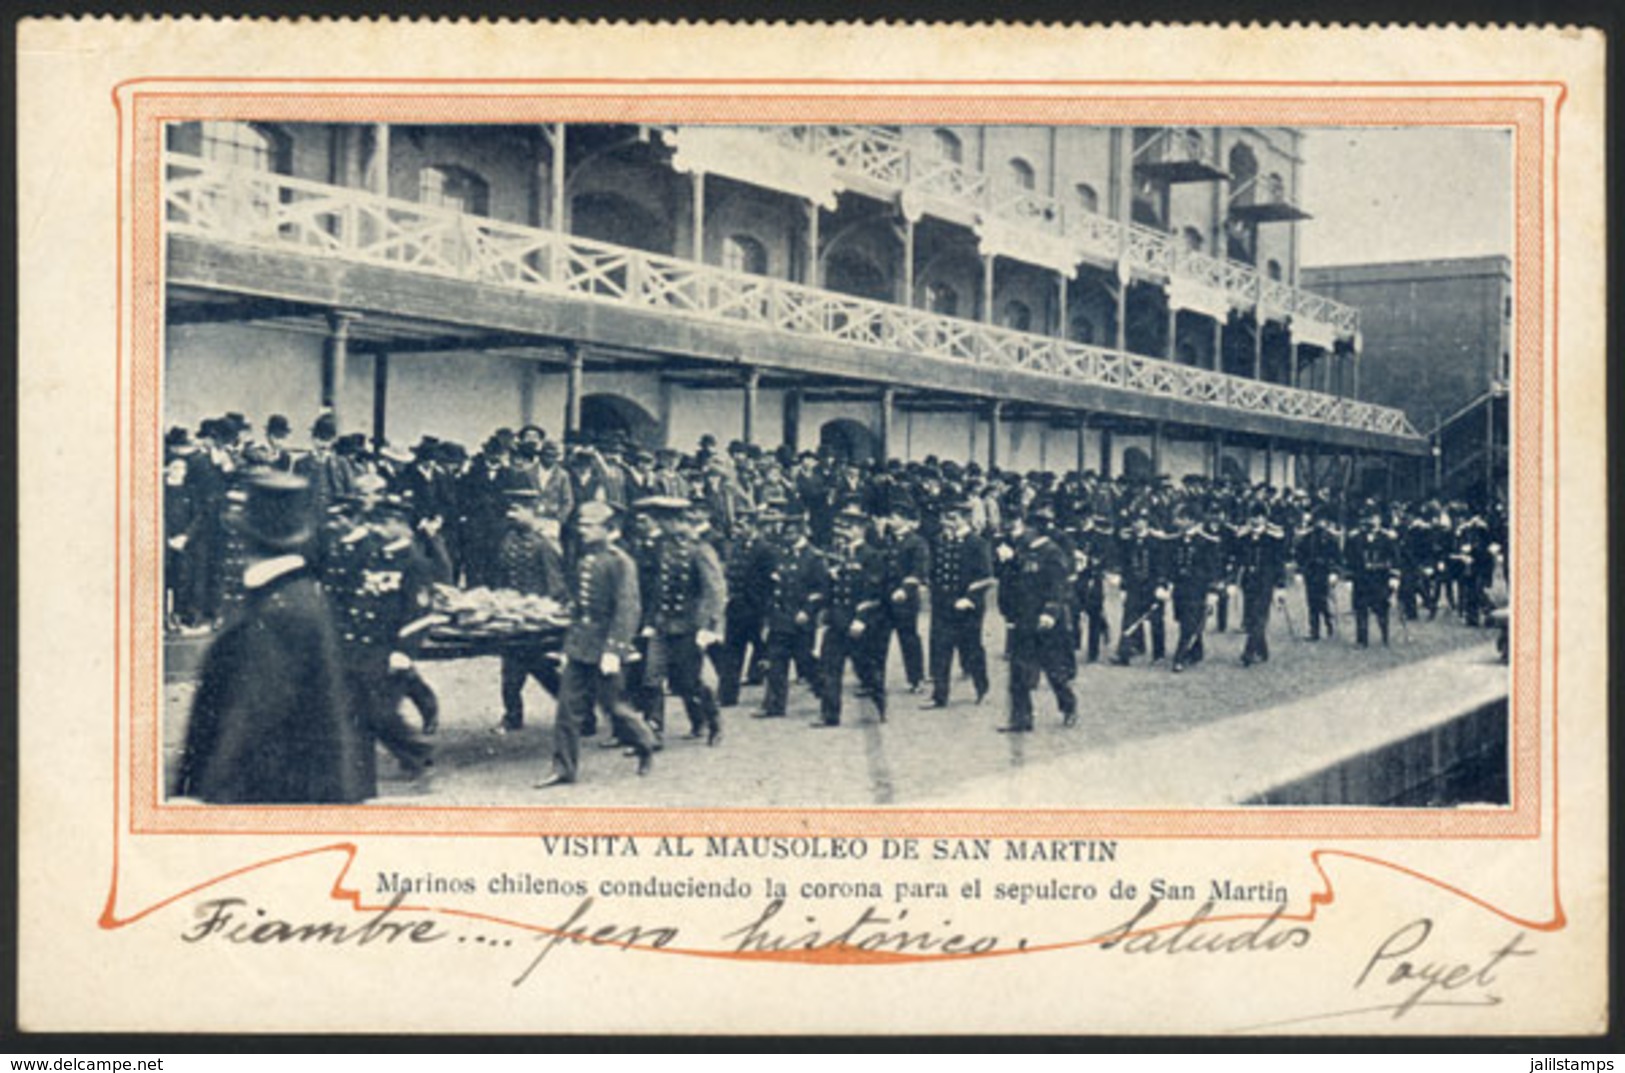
(766, 565)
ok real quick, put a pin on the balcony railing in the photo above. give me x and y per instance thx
(881, 156)
(227, 204)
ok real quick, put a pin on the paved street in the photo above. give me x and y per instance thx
(936, 756)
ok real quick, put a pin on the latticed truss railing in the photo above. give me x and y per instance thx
(233, 205)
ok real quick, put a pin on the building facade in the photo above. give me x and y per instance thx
(1116, 299)
(1438, 339)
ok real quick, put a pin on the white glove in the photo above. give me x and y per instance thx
(856, 629)
(1005, 553)
(801, 618)
(178, 542)
(1046, 622)
(1331, 579)
(647, 631)
(705, 638)
(1162, 592)
(899, 596)
(609, 663)
(399, 661)
(964, 604)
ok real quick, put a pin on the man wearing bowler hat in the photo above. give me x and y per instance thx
(272, 721)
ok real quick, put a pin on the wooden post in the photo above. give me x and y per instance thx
(1269, 460)
(1105, 453)
(1218, 343)
(1216, 455)
(1061, 327)
(380, 397)
(1156, 449)
(753, 381)
(1083, 430)
(1258, 345)
(1169, 348)
(573, 390)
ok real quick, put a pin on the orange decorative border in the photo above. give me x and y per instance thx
(147, 104)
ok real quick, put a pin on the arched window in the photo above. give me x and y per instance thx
(1020, 174)
(943, 299)
(1016, 316)
(1088, 197)
(1243, 166)
(948, 146)
(1273, 269)
(1193, 239)
(258, 146)
(741, 253)
(451, 187)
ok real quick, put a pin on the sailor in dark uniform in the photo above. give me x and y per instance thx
(1319, 554)
(1372, 553)
(1193, 574)
(961, 574)
(1034, 599)
(857, 587)
(682, 619)
(908, 564)
(377, 581)
(797, 582)
(1139, 560)
(1260, 555)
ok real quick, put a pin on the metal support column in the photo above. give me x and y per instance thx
(752, 385)
(812, 271)
(995, 423)
(697, 225)
(1156, 449)
(573, 391)
(888, 403)
(335, 355)
(378, 165)
(908, 263)
(987, 288)
(792, 421)
(1105, 453)
(380, 397)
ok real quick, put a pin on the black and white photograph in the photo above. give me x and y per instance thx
(836, 466)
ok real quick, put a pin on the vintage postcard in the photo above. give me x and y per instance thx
(812, 529)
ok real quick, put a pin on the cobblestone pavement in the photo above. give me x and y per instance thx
(917, 755)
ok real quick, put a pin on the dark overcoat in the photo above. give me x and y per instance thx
(272, 721)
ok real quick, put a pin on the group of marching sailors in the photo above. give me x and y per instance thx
(776, 566)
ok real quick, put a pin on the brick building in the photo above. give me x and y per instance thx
(1438, 345)
(1057, 297)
